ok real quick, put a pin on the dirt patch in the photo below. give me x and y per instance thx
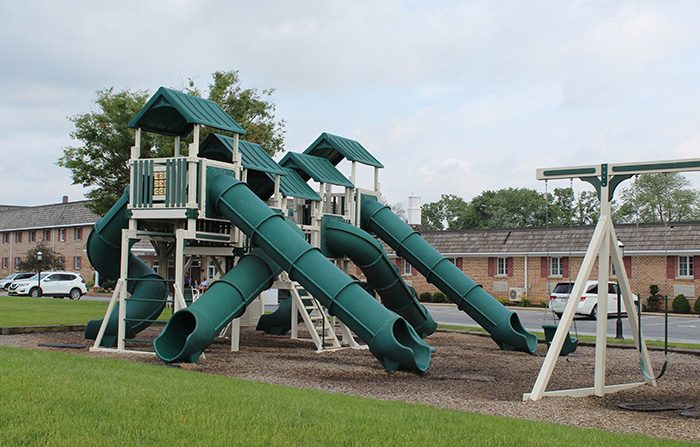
(468, 373)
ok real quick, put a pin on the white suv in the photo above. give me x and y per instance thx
(588, 302)
(67, 284)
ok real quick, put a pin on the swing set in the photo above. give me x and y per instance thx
(603, 246)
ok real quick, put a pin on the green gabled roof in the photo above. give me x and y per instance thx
(317, 168)
(334, 148)
(253, 156)
(292, 185)
(174, 113)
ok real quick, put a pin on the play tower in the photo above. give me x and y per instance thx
(296, 225)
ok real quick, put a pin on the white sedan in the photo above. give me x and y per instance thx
(588, 301)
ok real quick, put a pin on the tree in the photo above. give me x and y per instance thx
(663, 197)
(251, 108)
(448, 211)
(50, 260)
(101, 161)
(507, 208)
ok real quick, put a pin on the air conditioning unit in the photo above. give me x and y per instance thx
(515, 294)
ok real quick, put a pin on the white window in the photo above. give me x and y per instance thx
(501, 266)
(556, 266)
(18, 261)
(61, 234)
(6, 238)
(686, 269)
(32, 236)
(4, 263)
(211, 270)
(406, 268)
(47, 235)
(77, 261)
(78, 233)
(155, 266)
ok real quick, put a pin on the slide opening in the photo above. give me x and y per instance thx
(171, 342)
(407, 337)
(530, 339)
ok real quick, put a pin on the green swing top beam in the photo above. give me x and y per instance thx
(612, 174)
(649, 167)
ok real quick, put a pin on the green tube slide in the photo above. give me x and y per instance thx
(279, 322)
(191, 330)
(503, 325)
(389, 337)
(340, 239)
(148, 289)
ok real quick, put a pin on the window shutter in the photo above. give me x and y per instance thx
(670, 267)
(413, 271)
(491, 266)
(509, 266)
(627, 260)
(460, 263)
(696, 274)
(543, 266)
(565, 266)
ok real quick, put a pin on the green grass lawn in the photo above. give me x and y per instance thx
(588, 338)
(24, 311)
(56, 398)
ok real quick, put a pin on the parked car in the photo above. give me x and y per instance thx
(60, 284)
(6, 281)
(588, 302)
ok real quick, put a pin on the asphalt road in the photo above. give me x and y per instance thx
(684, 329)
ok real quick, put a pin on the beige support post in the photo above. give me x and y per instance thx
(123, 275)
(176, 149)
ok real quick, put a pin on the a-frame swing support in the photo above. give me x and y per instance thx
(603, 246)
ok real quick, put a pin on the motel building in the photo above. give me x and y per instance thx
(511, 264)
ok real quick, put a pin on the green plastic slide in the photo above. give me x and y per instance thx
(191, 330)
(503, 325)
(148, 289)
(279, 322)
(340, 239)
(389, 337)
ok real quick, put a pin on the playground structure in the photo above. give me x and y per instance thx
(226, 198)
(604, 247)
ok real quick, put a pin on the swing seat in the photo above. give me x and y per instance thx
(570, 343)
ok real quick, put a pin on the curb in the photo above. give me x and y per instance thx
(695, 352)
(13, 330)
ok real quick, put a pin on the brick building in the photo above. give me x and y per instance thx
(63, 226)
(533, 260)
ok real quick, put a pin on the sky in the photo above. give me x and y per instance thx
(452, 97)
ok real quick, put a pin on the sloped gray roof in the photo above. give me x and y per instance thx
(645, 238)
(54, 215)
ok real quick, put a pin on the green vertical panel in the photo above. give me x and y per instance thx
(138, 183)
(183, 184)
(176, 183)
(150, 183)
(199, 184)
(167, 183)
(171, 178)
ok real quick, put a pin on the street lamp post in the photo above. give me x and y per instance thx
(39, 258)
(618, 323)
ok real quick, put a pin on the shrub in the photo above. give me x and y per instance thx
(681, 305)
(654, 300)
(425, 297)
(439, 297)
(525, 302)
(696, 306)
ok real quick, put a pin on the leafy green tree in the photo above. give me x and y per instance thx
(449, 212)
(510, 207)
(50, 259)
(663, 197)
(100, 162)
(251, 108)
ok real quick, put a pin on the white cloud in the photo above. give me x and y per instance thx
(453, 97)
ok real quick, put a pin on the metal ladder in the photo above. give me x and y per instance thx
(318, 323)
